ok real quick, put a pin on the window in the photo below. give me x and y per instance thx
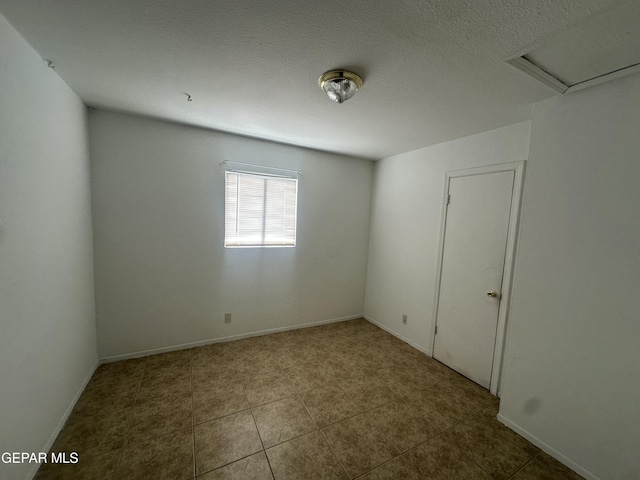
(260, 210)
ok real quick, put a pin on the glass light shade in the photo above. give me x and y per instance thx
(340, 85)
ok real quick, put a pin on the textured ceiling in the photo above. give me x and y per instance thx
(433, 70)
(603, 44)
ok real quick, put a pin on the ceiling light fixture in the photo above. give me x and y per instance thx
(340, 85)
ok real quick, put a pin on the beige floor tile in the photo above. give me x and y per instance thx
(406, 397)
(358, 444)
(117, 391)
(329, 404)
(205, 375)
(487, 419)
(165, 457)
(225, 440)
(265, 358)
(403, 425)
(95, 408)
(499, 451)
(411, 378)
(441, 459)
(127, 370)
(416, 360)
(342, 369)
(544, 467)
(372, 358)
(434, 409)
(101, 467)
(218, 401)
(279, 340)
(179, 358)
(212, 354)
(251, 365)
(284, 358)
(282, 420)
(464, 390)
(89, 438)
(246, 344)
(267, 387)
(364, 377)
(303, 368)
(305, 458)
(367, 397)
(166, 379)
(254, 467)
(396, 469)
(159, 415)
(310, 377)
(445, 403)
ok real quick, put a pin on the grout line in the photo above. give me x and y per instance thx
(378, 466)
(255, 423)
(307, 410)
(221, 416)
(269, 463)
(445, 431)
(290, 439)
(401, 453)
(339, 382)
(334, 454)
(469, 457)
(126, 434)
(230, 463)
(250, 407)
(242, 382)
(524, 465)
(193, 414)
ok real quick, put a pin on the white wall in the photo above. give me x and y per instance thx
(571, 379)
(405, 225)
(47, 325)
(163, 277)
(572, 376)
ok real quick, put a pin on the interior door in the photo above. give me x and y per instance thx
(475, 242)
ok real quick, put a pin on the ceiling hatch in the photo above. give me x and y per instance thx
(604, 47)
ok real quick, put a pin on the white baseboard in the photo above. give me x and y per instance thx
(64, 419)
(396, 334)
(547, 448)
(230, 338)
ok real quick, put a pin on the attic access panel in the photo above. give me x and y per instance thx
(604, 47)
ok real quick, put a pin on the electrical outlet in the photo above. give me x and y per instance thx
(404, 319)
(227, 318)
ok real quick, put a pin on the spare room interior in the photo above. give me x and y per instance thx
(338, 239)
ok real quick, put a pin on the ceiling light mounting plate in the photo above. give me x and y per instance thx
(340, 85)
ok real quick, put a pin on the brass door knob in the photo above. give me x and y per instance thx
(492, 294)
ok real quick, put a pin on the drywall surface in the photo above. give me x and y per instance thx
(47, 325)
(433, 69)
(163, 277)
(572, 375)
(405, 225)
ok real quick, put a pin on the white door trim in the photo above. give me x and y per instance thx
(503, 311)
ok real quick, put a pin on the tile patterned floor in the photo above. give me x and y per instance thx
(340, 401)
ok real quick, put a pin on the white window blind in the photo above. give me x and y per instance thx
(260, 210)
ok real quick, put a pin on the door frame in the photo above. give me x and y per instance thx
(507, 277)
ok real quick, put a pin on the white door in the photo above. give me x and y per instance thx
(475, 242)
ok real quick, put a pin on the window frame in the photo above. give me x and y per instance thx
(287, 241)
